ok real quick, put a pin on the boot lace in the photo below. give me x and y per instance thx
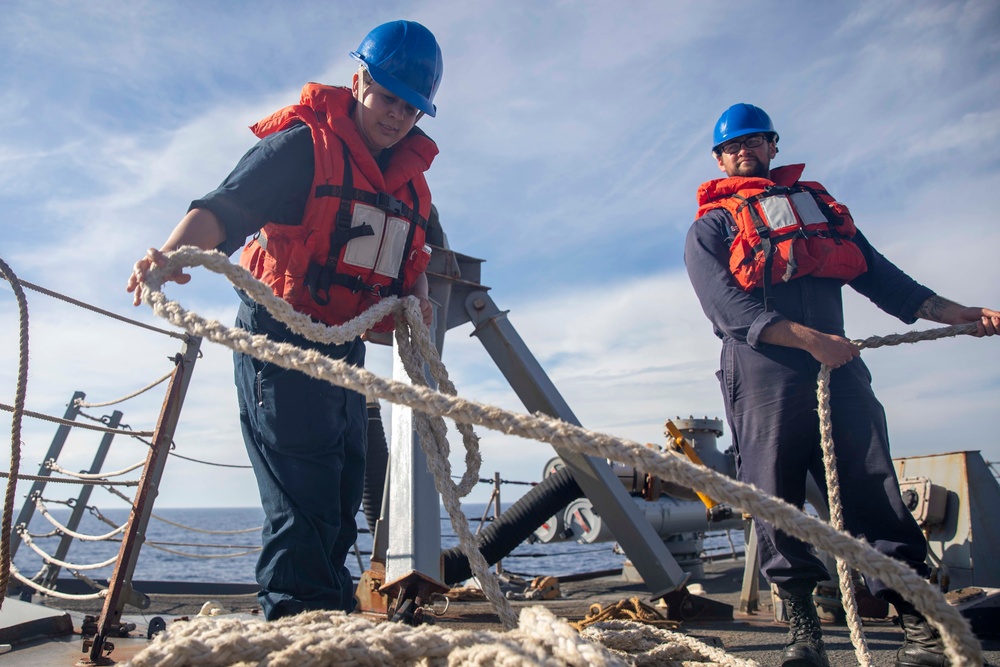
(803, 623)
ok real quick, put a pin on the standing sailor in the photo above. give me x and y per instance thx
(768, 257)
(335, 198)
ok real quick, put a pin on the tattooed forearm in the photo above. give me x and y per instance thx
(935, 308)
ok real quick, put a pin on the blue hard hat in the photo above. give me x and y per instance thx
(404, 58)
(740, 120)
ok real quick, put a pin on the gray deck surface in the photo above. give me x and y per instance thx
(756, 636)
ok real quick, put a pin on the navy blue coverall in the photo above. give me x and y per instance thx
(305, 438)
(771, 405)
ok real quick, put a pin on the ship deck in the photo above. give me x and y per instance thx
(754, 636)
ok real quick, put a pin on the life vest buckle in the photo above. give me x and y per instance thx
(388, 203)
(358, 285)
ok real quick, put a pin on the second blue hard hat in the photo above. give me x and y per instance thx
(740, 120)
(404, 58)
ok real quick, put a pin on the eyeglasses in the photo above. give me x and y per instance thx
(733, 147)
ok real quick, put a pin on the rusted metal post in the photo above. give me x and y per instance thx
(120, 586)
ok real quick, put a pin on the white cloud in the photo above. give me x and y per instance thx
(573, 137)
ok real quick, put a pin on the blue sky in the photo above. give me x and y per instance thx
(573, 136)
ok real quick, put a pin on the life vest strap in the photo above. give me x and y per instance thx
(380, 200)
(320, 279)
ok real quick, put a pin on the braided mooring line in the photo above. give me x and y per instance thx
(847, 598)
(69, 422)
(325, 638)
(60, 480)
(961, 646)
(644, 644)
(846, 581)
(15, 430)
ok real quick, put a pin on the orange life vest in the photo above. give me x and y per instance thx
(362, 234)
(784, 227)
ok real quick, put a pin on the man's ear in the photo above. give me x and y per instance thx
(718, 159)
(356, 86)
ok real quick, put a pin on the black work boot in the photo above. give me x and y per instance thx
(805, 637)
(922, 645)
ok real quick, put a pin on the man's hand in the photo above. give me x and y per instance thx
(426, 310)
(834, 351)
(141, 269)
(199, 228)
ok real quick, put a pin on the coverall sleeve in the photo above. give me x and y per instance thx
(887, 286)
(271, 183)
(732, 311)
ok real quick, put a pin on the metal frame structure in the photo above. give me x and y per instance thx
(414, 544)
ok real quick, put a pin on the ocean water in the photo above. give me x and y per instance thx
(175, 550)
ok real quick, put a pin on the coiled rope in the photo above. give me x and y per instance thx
(960, 645)
(326, 638)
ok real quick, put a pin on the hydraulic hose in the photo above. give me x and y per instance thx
(511, 528)
(375, 466)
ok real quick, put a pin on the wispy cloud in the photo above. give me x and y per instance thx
(572, 136)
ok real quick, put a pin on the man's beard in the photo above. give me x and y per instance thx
(756, 169)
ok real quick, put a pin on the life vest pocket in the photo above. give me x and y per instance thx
(390, 256)
(382, 251)
(362, 251)
(844, 260)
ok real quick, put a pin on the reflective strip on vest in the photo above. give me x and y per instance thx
(780, 210)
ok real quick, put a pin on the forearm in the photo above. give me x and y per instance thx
(791, 334)
(420, 287)
(945, 311)
(200, 227)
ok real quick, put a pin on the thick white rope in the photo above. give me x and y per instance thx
(847, 599)
(316, 639)
(961, 646)
(80, 403)
(644, 644)
(52, 465)
(80, 536)
(55, 561)
(51, 591)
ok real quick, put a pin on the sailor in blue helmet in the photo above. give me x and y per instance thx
(768, 256)
(334, 200)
